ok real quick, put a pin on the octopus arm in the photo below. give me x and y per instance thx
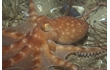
(63, 50)
(24, 64)
(52, 45)
(16, 58)
(18, 32)
(11, 48)
(55, 60)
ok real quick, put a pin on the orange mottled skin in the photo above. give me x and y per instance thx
(42, 42)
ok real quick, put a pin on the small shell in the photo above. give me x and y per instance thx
(75, 11)
(79, 9)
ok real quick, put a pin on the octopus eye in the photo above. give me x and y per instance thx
(46, 27)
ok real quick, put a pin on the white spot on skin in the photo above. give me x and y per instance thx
(39, 37)
(72, 25)
(69, 48)
(76, 35)
(53, 57)
(61, 62)
(72, 36)
(80, 31)
(63, 33)
(31, 55)
(29, 46)
(35, 59)
(13, 33)
(74, 68)
(31, 33)
(73, 30)
(67, 23)
(35, 35)
(35, 24)
(68, 33)
(26, 44)
(62, 22)
(57, 28)
(72, 21)
(60, 40)
(24, 40)
(60, 27)
(65, 19)
(79, 24)
(12, 61)
(22, 53)
(34, 17)
(68, 64)
(37, 49)
(36, 65)
(71, 65)
(11, 46)
(66, 29)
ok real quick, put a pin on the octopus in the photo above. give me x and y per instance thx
(41, 42)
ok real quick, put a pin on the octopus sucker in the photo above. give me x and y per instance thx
(80, 51)
(41, 42)
(89, 54)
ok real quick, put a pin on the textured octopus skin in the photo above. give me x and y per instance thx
(42, 42)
